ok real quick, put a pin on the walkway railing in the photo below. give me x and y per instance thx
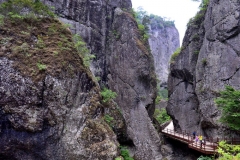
(208, 147)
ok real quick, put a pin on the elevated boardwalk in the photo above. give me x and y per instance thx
(209, 147)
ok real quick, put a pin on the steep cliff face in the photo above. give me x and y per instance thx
(163, 42)
(49, 104)
(131, 75)
(123, 64)
(209, 60)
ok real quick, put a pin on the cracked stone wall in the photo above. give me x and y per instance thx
(57, 118)
(123, 64)
(209, 60)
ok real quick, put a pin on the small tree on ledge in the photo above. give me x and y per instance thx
(229, 103)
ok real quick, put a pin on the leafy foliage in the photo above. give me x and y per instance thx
(155, 21)
(200, 15)
(109, 120)
(83, 50)
(158, 99)
(162, 95)
(144, 20)
(16, 9)
(161, 115)
(41, 66)
(125, 153)
(229, 103)
(174, 55)
(108, 95)
(228, 152)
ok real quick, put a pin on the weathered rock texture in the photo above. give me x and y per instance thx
(131, 75)
(209, 60)
(52, 113)
(123, 63)
(163, 42)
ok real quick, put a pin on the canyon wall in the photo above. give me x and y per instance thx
(163, 43)
(123, 63)
(208, 61)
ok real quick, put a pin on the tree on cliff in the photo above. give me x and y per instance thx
(229, 103)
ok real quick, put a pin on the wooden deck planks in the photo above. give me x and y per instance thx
(208, 148)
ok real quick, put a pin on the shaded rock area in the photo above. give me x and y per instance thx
(163, 42)
(209, 60)
(49, 103)
(175, 150)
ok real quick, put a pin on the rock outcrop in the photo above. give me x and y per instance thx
(123, 64)
(163, 42)
(209, 60)
(49, 103)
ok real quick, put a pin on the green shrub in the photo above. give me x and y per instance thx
(109, 120)
(204, 4)
(158, 99)
(161, 115)
(14, 8)
(228, 152)
(143, 32)
(125, 153)
(108, 95)
(163, 93)
(200, 15)
(41, 66)
(174, 55)
(229, 103)
(82, 50)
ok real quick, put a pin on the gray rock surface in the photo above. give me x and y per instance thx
(131, 75)
(209, 60)
(123, 64)
(163, 43)
(56, 118)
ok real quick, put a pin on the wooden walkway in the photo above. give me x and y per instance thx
(210, 147)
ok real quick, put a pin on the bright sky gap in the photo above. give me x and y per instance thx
(178, 10)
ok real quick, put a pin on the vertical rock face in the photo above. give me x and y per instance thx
(163, 42)
(124, 65)
(131, 75)
(209, 60)
(58, 114)
(122, 62)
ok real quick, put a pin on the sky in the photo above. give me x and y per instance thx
(178, 10)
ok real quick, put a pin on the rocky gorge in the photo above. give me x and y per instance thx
(209, 60)
(55, 67)
(52, 109)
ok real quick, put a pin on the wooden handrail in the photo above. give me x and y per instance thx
(210, 145)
